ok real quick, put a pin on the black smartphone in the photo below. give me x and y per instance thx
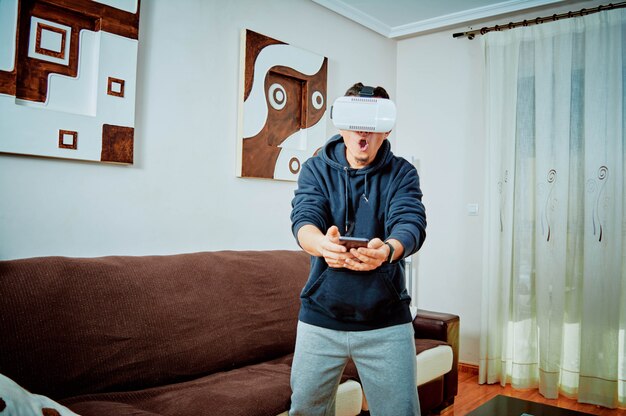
(353, 242)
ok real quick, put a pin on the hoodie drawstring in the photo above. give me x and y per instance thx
(345, 169)
(365, 190)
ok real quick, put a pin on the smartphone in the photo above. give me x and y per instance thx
(353, 242)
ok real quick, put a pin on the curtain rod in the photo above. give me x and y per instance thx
(497, 28)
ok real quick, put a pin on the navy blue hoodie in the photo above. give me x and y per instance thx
(381, 200)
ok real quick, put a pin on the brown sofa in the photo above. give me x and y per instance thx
(208, 333)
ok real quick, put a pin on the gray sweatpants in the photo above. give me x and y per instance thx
(385, 360)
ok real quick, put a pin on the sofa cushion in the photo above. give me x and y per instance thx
(130, 323)
(234, 392)
(239, 392)
(433, 362)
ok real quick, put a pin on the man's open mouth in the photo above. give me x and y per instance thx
(363, 145)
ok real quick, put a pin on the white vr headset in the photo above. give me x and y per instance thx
(363, 113)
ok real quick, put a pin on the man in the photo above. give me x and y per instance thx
(355, 303)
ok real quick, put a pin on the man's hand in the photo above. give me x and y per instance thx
(369, 258)
(316, 243)
(335, 253)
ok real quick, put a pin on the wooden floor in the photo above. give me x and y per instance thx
(471, 395)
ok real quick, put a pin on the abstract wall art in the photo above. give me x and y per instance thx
(67, 78)
(282, 107)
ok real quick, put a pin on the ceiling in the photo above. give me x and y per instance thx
(404, 18)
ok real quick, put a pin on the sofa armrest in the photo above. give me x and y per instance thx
(442, 327)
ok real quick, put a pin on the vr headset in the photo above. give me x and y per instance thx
(364, 113)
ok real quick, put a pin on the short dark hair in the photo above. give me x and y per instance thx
(354, 91)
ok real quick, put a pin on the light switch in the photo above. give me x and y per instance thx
(472, 209)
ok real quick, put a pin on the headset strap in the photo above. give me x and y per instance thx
(366, 92)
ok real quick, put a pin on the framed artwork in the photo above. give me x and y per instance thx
(67, 78)
(282, 107)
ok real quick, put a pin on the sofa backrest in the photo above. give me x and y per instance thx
(71, 326)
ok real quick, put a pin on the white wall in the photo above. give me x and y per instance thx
(440, 124)
(182, 194)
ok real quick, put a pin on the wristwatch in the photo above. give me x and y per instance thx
(391, 251)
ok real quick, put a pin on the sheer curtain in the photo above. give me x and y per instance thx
(554, 284)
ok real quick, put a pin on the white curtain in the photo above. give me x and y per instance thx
(554, 284)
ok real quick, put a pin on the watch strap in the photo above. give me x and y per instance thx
(392, 250)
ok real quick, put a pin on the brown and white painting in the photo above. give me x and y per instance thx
(282, 107)
(67, 78)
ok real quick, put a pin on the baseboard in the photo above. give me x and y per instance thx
(468, 368)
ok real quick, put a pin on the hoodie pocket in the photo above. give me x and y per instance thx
(352, 296)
